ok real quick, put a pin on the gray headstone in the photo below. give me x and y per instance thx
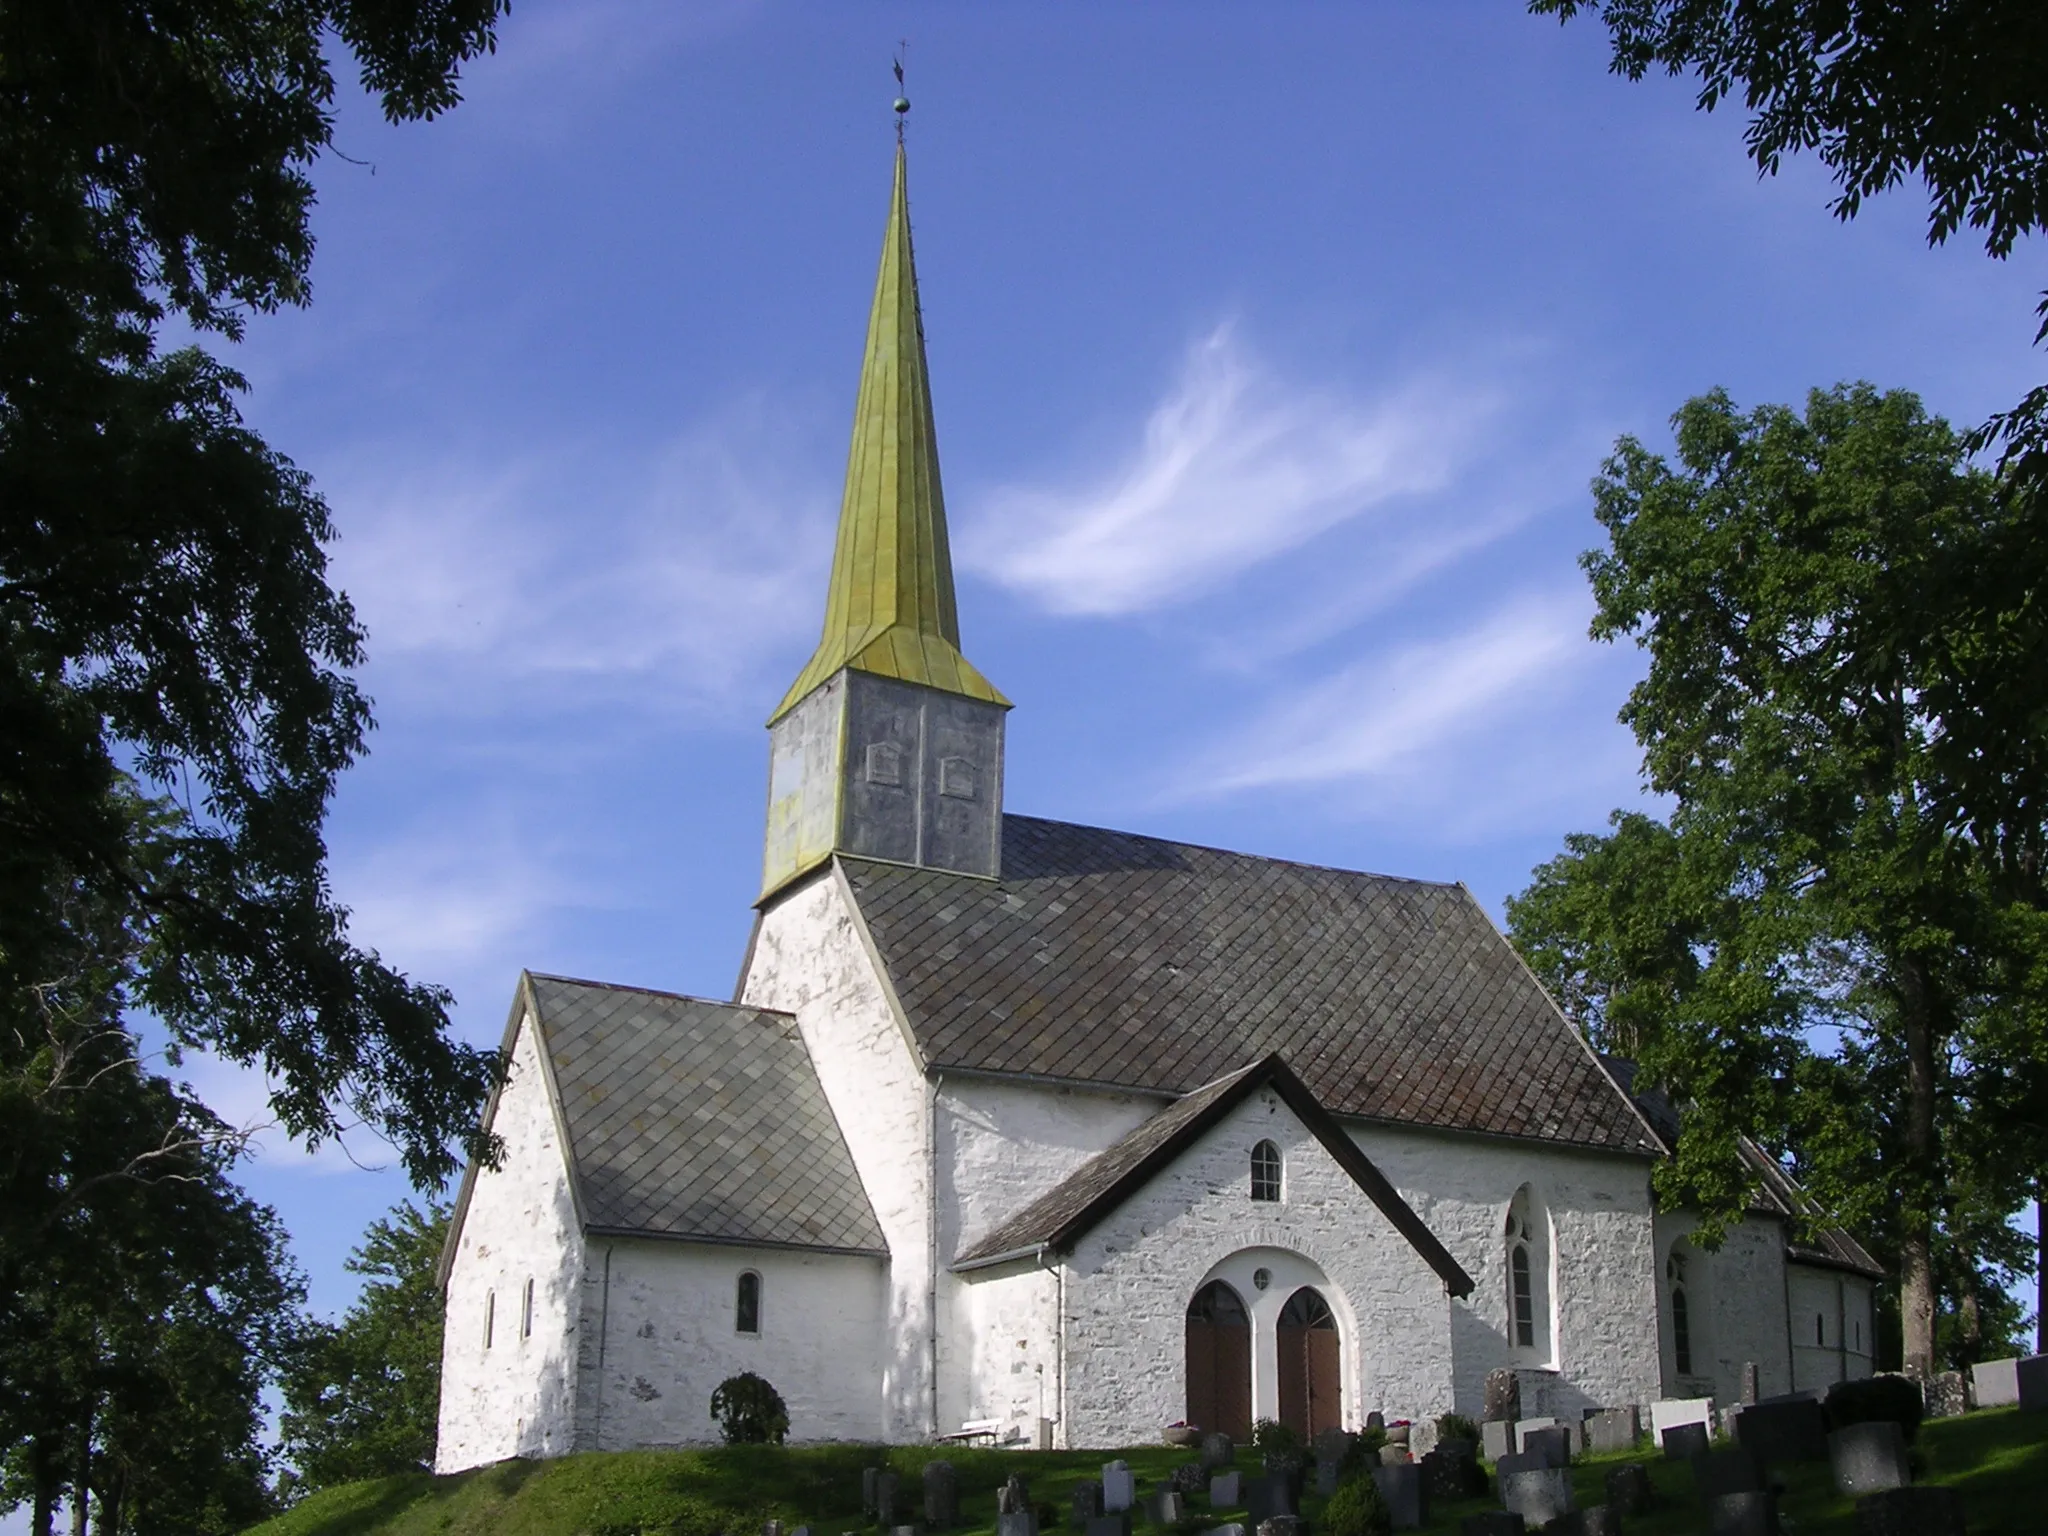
(1405, 1495)
(1394, 1456)
(1119, 1489)
(1283, 1525)
(867, 1489)
(2030, 1377)
(1013, 1497)
(1507, 1466)
(1613, 1429)
(1997, 1383)
(885, 1497)
(1503, 1396)
(1869, 1457)
(1021, 1522)
(1332, 1444)
(771, 1528)
(1118, 1524)
(1922, 1511)
(903, 1530)
(1789, 1429)
(941, 1495)
(1946, 1395)
(1497, 1438)
(1373, 1420)
(1682, 1442)
(1628, 1489)
(1550, 1444)
(1218, 1450)
(1189, 1478)
(1166, 1507)
(1451, 1471)
(1326, 1477)
(1269, 1497)
(1223, 1488)
(1493, 1522)
(1749, 1381)
(1730, 1470)
(1599, 1520)
(1400, 1434)
(1750, 1513)
(1539, 1496)
(1087, 1504)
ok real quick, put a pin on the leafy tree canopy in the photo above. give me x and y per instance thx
(164, 606)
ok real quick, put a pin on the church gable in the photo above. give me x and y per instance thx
(1105, 957)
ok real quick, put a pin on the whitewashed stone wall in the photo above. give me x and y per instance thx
(1599, 1327)
(1831, 1326)
(1128, 1282)
(660, 1332)
(809, 959)
(1736, 1305)
(516, 1395)
(1002, 1358)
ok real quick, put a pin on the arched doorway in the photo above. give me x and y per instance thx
(1311, 1390)
(1219, 1357)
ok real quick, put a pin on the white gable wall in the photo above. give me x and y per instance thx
(1736, 1307)
(1596, 1326)
(1128, 1282)
(809, 960)
(660, 1332)
(514, 1397)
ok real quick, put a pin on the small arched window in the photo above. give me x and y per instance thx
(1523, 1295)
(747, 1308)
(1265, 1171)
(1681, 1330)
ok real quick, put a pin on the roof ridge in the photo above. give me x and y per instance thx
(681, 997)
(1230, 853)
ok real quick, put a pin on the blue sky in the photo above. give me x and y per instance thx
(1272, 347)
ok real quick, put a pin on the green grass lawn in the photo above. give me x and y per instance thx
(1998, 1459)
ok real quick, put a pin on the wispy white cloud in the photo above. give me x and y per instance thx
(1236, 466)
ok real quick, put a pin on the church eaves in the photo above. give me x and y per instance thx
(890, 609)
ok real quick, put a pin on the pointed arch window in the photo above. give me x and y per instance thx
(1521, 1282)
(1681, 1330)
(1265, 1171)
(747, 1303)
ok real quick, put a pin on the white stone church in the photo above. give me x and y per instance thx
(1061, 1135)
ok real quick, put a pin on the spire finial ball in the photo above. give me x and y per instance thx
(902, 105)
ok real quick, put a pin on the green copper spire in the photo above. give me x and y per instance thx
(890, 607)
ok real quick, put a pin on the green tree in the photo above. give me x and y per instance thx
(164, 606)
(363, 1397)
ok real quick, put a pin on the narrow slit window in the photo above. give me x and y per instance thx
(526, 1311)
(490, 1316)
(1820, 1328)
(1681, 1331)
(1265, 1171)
(747, 1311)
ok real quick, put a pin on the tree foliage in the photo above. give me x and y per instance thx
(362, 1397)
(749, 1410)
(164, 605)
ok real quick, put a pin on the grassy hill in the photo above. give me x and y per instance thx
(1998, 1459)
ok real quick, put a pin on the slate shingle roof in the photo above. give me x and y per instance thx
(1113, 958)
(694, 1119)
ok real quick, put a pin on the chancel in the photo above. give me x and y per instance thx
(1057, 1135)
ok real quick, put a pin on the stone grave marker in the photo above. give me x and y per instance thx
(1503, 1395)
(1549, 1444)
(1539, 1495)
(1599, 1520)
(867, 1489)
(1752, 1512)
(1218, 1450)
(1997, 1383)
(1493, 1522)
(771, 1528)
(941, 1495)
(1117, 1524)
(1394, 1456)
(1515, 1462)
(1087, 1504)
(1119, 1488)
(1405, 1495)
(1787, 1429)
(1269, 1496)
(1730, 1470)
(1497, 1437)
(1629, 1491)
(1922, 1511)
(802, 1530)
(1946, 1395)
(1283, 1525)
(1374, 1420)
(903, 1530)
(1526, 1426)
(1013, 1496)
(1749, 1381)
(1165, 1507)
(1188, 1479)
(1326, 1477)
(1668, 1411)
(1613, 1429)
(2030, 1377)
(1869, 1457)
(1223, 1490)
(1682, 1442)
(1019, 1522)
(885, 1497)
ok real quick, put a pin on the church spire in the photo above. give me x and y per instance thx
(890, 609)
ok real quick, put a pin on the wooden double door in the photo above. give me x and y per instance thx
(1219, 1357)
(1311, 1380)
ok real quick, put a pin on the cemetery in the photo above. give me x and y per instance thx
(1765, 1467)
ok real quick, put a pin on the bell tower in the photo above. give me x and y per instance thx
(889, 744)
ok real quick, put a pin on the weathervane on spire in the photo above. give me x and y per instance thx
(902, 101)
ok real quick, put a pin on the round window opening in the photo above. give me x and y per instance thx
(1261, 1278)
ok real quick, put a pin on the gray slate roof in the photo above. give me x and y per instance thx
(1111, 958)
(694, 1119)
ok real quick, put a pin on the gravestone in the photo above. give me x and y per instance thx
(1013, 1497)
(903, 1530)
(1332, 1445)
(771, 1528)
(1400, 1434)
(1087, 1504)
(1599, 1520)
(1164, 1507)
(1326, 1477)
(941, 1495)
(1218, 1450)
(1666, 1412)
(1119, 1488)
(2030, 1376)
(1283, 1525)
(1017, 1522)
(1946, 1395)
(1189, 1478)
(885, 1497)
(1373, 1420)
(1539, 1496)
(867, 1489)
(1729, 1470)
(1613, 1429)
(1269, 1497)
(1921, 1511)
(1682, 1442)
(1394, 1456)
(1515, 1462)
(1788, 1429)
(1232, 1529)
(1497, 1437)
(1869, 1457)
(1456, 1474)
(1549, 1444)
(1753, 1512)
(1118, 1524)
(1997, 1383)
(1629, 1491)
(1503, 1395)
(1223, 1490)
(1749, 1381)
(1493, 1522)
(802, 1530)
(1406, 1497)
